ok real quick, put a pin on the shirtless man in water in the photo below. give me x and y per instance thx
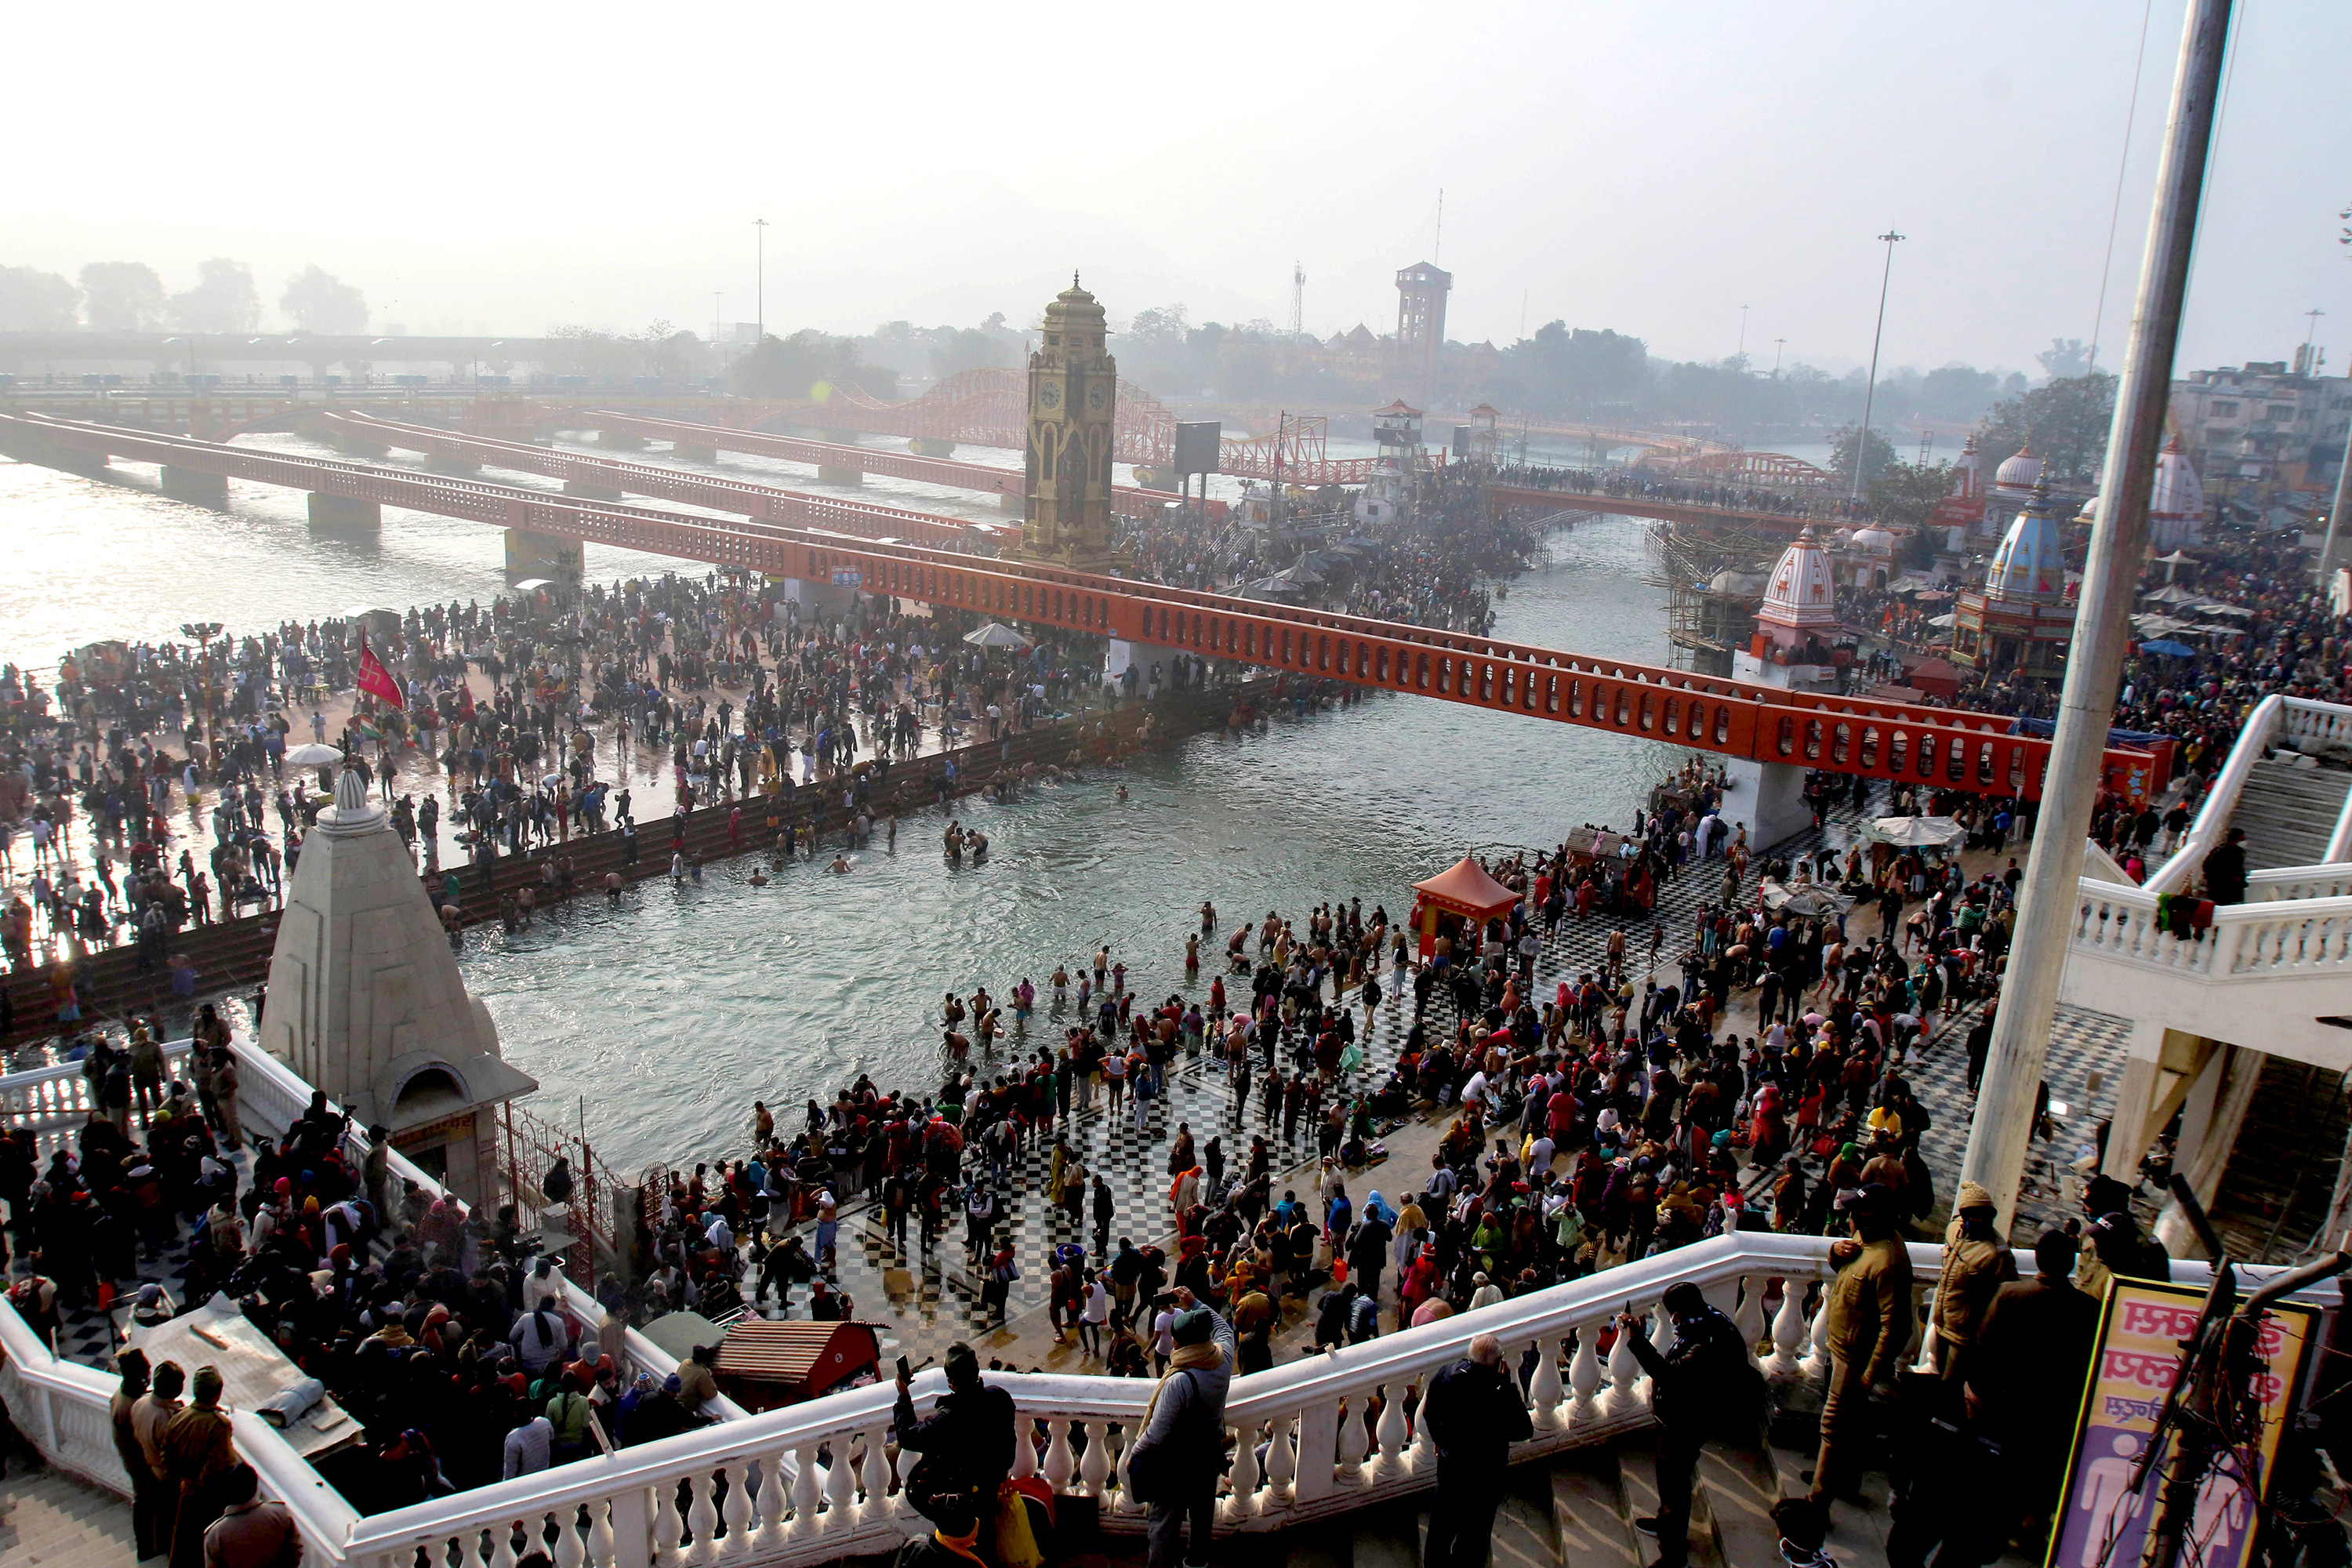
(840, 863)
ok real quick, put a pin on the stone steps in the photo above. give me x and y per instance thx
(2289, 811)
(50, 1520)
(2275, 1190)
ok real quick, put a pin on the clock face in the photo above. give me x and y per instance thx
(1050, 395)
(1095, 397)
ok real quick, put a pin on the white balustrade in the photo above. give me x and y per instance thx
(782, 1507)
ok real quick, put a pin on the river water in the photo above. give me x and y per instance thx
(663, 1018)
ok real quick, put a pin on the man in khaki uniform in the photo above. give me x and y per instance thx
(1976, 1265)
(1869, 1309)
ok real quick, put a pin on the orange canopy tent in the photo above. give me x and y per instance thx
(1464, 888)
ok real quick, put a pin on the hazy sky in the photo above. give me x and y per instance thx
(1651, 168)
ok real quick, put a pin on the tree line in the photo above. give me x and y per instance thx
(130, 297)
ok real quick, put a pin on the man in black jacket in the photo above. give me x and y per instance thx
(1474, 1412)
(1705, 1371)
(967, 1447)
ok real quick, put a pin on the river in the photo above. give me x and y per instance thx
(670, 1014)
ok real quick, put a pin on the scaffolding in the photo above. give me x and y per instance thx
(1709, 615)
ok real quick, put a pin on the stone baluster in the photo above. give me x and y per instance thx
(736, 1511)
(667, 1527)
(839, 1486)
(805, 1520)
(602, 1542)
(570, 1550)
(1243, 1501)
(1816, 1364)
(702, 1517)
(1925, 1365)
(1662, 1328)
(1024, 1447)
(502, 1548)
(1584, 1374)
(1094, 1465)
(1788, 1329)
(1353, 1445)
(1127, 1506)
(1624, 1375)
(1543, 1386)
(1281, 1463)
(874, 1477)
(1750, 1319)
(1424, 1446)
(1060, 1462)
(775, 1500)
(1393, 1432)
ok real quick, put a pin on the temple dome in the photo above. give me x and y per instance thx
(2030, 561)
(1801, 594)
(2019, 471)
(1876, 539)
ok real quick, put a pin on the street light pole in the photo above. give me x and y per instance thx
(1870, 394)
(760, 244)
(2002, 1133)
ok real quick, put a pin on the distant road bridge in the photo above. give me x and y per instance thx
(1501, 498)
(1777, 728)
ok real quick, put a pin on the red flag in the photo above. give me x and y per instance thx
(376, 680)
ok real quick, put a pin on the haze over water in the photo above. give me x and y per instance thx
(671, 1014)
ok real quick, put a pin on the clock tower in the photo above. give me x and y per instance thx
(1072, 413)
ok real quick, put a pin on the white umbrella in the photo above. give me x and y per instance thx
(996, 635)
(1944, 620)
(312, 754)
(1916, 832)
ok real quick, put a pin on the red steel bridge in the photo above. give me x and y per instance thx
(1875, 738)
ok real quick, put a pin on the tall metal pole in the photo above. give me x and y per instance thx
(2002, 1131)
(760, 249)
(1870, 394)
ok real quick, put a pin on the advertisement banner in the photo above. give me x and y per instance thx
(2102, 1523)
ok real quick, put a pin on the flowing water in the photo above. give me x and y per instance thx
(667, 1016)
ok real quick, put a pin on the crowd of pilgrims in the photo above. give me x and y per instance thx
(437, 1329)
(1590, 1127)
(723, 697)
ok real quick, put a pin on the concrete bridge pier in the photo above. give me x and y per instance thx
(686, 452)
(930, 446)
(449, 463)
(1770, 797)
(531, 553)
(1008, 502)
(818, 601)
(1140, 657)
(344, 517)
(827, 473)
(189, 485)
(620, 441)
(588, 492)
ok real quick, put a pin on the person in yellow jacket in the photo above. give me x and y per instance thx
(1869, 1324)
